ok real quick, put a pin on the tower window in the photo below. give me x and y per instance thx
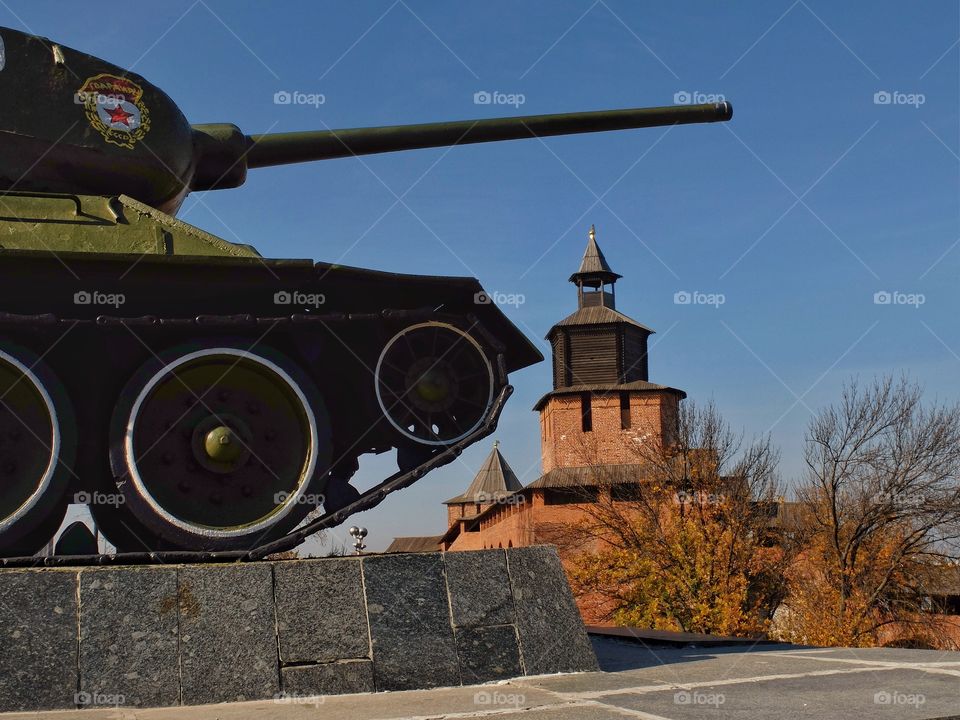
(624, 411)
(586, 413)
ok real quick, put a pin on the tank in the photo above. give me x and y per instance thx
(204, 401)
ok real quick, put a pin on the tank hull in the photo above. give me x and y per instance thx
(103, 324)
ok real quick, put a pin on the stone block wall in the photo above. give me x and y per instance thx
(191, 634)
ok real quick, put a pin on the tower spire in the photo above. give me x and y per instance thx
(594, 273)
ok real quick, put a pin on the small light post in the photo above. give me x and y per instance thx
(358, 534)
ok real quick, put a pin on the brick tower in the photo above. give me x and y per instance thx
(602, 401)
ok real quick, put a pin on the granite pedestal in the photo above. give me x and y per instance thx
(288, 630)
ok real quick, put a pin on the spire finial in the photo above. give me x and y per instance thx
(496, 444)
(594, 271)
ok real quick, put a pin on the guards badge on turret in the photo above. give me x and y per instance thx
(115, 108)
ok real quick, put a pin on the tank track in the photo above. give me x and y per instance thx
(366, 501)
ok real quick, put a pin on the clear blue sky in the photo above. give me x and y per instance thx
(809, 202)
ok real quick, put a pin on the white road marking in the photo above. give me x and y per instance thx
(527, 709)
(942, 667)
(644, 689)
(625, 711)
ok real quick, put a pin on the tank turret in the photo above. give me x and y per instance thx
(203, 401)
(89, 127)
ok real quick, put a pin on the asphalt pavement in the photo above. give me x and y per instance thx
(651, 682)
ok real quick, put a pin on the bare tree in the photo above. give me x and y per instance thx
(881, 515)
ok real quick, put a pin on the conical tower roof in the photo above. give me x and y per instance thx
(495, 479)
(594, 269)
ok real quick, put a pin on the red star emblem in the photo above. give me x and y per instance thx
(119, 115)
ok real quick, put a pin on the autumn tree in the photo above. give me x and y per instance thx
(879, 517)
(680, 540)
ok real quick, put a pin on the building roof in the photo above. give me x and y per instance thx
(783, 515)
(598, 315)
(425, 543)
(588, 475)
(495, 479)
(606, 388)
(594, 266)
(946, 581)
(565, 477)
(787, 515)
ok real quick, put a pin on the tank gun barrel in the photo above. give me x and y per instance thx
(223, 153)
(283, 148)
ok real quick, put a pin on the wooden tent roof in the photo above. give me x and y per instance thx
(494, 480)
(426, 543)
(594, 268)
